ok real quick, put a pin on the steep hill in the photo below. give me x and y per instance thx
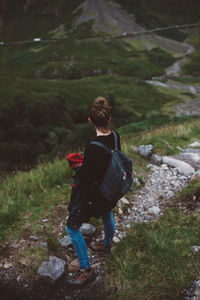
(46, 86)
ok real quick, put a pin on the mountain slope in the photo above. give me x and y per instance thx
(47, 86)
(108, 17)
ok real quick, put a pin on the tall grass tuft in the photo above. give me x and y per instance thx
(28, 190)
(155, 260)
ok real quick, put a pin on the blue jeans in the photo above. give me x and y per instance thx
(79, 242)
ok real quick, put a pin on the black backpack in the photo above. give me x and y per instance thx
(117, 180)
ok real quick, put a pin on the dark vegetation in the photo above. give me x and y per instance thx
(192, 68)
(163, 13)
(46, 88)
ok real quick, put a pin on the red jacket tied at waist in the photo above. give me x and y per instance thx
(75, 160)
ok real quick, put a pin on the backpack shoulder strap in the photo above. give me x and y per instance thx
(101, 145)
(107, 148)
(115, 141)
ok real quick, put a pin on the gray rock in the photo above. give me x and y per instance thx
(154, 210)
(192, 158)
(157, 159)
(183, 167)
(52, 270)
(34, 238)
(135, 149)
(193, 291)
(14, 245)
(43, 245)
(194, 144)
(196, 248)
(145, 151)
(87, 229)
(45, 220)
(66, 241)
(116, 240)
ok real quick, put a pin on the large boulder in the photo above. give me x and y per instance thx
(52, 270)
(183, 167)
(194, 144)
(190, 156)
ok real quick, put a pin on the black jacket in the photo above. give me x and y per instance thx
(86, 200)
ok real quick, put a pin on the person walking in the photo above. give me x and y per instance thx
(92, 203)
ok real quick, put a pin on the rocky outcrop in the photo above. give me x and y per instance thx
(180, 165)
(108, 17)
(186, 162)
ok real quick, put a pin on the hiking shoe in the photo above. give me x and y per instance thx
(82, 277)
(100, 247)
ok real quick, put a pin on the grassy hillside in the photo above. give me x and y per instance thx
(192, 68)
(46, 88)
(45, 186)
(158, 256)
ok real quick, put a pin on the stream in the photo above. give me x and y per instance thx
(190, 105)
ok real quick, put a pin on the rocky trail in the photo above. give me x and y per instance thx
(167, 175)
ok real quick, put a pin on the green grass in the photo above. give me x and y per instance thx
(34, 192)
(187, 79)
(155, 260)
(190, 195)
(176, 132)
(38, 190)
(192, 67)
(54, 113)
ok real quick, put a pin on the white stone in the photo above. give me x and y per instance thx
(196, 248)
(87, 229)
(116, 240)
(14, 245)
(154, 210)
(65, 241)
(194, 144)
(45, 220)
(157, 83)
(124, 200)
(120, 211)
(8, 265)
(34, 238)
